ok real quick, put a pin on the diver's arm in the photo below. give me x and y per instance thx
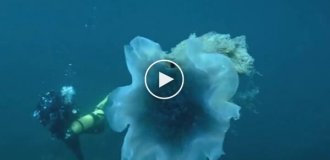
(89, 121)
(101, 105)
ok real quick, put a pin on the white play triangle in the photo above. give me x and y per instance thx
(163, 79)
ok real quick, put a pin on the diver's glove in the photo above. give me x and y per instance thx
(68, 134)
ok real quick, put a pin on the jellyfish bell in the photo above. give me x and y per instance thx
(190, 125)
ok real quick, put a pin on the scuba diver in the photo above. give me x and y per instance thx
(57, 113)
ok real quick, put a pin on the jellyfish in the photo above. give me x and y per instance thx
(193, 124)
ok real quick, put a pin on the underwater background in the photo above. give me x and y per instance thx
(47, 44)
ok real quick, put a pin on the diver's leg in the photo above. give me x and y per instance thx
(74, 144)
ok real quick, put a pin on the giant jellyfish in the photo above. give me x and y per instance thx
(193, 124)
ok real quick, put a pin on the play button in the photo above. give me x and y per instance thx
(164, 79)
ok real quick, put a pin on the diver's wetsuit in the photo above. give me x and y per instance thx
(63, 121)
(57, 117)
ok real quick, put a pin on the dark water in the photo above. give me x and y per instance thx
(288, 38)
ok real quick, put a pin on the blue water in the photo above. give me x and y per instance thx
(288, 38)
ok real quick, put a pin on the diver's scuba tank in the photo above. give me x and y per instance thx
(90, 123)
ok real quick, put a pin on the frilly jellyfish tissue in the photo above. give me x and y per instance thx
(191, 125)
